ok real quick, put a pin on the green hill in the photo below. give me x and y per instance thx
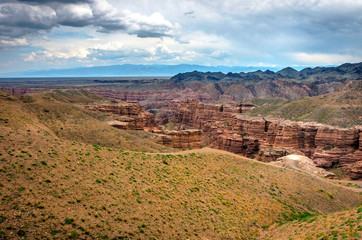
(341, 108)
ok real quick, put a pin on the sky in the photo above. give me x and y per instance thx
(41, 34)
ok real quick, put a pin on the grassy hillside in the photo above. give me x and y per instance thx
(54, 187)
(342, 108)
(340, 225)
(63, 185)
(60, 114)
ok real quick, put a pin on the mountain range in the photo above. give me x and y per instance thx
(127, 70)
(342, 73)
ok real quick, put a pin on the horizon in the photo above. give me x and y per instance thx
(38, 35)
(64, 72)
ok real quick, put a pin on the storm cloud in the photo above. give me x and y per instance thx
(207, 32)
(23, 17)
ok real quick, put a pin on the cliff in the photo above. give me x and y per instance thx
(131, 116)
(183, 139)
(225, 128)
(127, 115)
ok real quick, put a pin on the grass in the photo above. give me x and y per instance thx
(81, 188)
(341, 108)
(339, 225)
(137, 194)
(67, 120)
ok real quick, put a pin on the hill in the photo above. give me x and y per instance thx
(60, 113)
(340, 225)
(347, 71)
(209, 84)
(287, 83)
(341, 108)
(85, 184)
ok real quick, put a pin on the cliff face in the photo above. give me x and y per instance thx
(183, 139)
(152, 99)
(131, 116)
(226, 129)
(127, 115)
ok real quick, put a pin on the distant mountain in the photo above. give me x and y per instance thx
(130, 70)
(287, 83)
(341, 73)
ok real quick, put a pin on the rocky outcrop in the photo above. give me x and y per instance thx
(131, 116)
(225, 128)
(354, 170)
(183, 139)
(127, 115)
(153, 99)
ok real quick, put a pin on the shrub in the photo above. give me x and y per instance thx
(74, 234)
(68, 220)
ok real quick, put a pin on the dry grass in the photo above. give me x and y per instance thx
(46, 181)
(340, 225)
(55, 113)
(342, 108)
(52, 187)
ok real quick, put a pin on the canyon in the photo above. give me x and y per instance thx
(128, 115)
(152, 93)
(224, 126)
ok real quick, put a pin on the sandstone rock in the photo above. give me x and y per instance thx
(183, 139)
(127, 115)
(225, 128)
(354, 170)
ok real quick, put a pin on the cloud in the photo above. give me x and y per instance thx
(148, 26)
(209, 32)
(26, 17)
(75, 15)
(61, 1)
(110, 46)
(19, 19)
(325, 59)
(15, 42)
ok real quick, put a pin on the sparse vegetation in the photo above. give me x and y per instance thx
(123, 194)
(341, 108)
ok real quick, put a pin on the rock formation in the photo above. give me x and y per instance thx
(131, 116)
(183, 139)
(225, 128)
(127, 115)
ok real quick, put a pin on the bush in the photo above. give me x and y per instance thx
(68, 220)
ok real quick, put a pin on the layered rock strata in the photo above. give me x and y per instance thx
(131, 116)
(225, 128)
(183, 139)
(152, 99)
(127, 115)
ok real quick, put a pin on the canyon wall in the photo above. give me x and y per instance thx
(225, 128)
(183, 139)
(131, 116)
(152, 99)
(127, 115)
